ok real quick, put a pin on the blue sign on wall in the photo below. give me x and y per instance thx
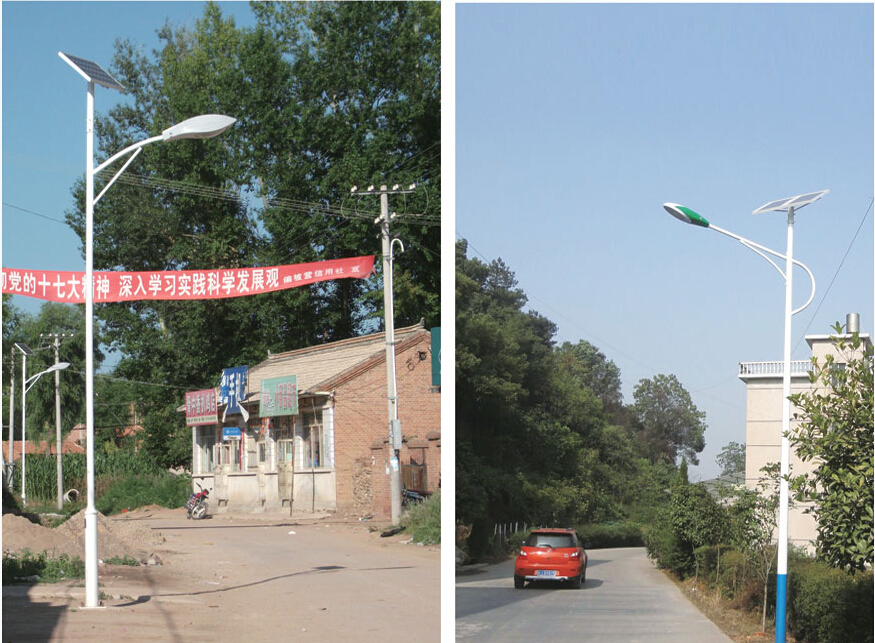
(231, 433)
(233, 389)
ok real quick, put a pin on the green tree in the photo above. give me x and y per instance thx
(594, 371)
(326, 95)
(731, 458)
(753, 518)
(68, 320)
(532, 439)
(835, 433)
(665, 420)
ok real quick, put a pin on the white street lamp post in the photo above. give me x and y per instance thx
(25, 351)
(59, 366)
(205, 126)
(789, 205)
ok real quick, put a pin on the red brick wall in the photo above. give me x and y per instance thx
(361, 420)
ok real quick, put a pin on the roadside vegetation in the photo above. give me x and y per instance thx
(423, 520)
(543, 438)
(33, 568)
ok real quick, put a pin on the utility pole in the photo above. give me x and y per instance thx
(60, 466)
(395, 438)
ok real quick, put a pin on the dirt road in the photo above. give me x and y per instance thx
(245, 579)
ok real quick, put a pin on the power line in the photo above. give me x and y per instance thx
(822, 299)
(37, 214)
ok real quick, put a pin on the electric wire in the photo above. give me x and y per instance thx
(841, 263)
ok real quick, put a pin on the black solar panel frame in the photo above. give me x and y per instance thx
(95, 72)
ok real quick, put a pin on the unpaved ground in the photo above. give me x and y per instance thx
(250, 578)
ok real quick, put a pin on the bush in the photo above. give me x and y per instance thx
(826, 605)
(670, 550)
(135, 491)
(611, 534)
(423, 520)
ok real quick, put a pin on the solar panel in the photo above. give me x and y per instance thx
(92, 71)
(796, 202)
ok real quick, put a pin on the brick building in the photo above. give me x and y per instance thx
(335, 448)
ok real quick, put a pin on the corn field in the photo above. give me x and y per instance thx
(42, 471)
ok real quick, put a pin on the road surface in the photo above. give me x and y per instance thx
(239, 579)
(625, 600)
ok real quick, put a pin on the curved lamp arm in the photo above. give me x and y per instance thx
(690, 216)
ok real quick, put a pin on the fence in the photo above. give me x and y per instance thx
(503, 530)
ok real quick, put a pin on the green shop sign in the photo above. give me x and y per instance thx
(279, 396)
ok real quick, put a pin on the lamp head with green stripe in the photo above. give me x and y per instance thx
(686, 215)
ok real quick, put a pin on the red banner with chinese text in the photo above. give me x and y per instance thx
(69, 287)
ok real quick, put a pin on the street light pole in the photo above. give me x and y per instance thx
(25, 351)
(205, 126)
(24, 389)
(784, 492)
(11, 463)
(790, 205)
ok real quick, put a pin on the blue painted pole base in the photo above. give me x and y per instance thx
(781, 609)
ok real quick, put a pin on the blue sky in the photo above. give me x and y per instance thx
(43, 113)
(575, 123)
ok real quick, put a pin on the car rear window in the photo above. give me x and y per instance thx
(550, 540)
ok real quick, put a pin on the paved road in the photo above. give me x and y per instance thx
(625, 600)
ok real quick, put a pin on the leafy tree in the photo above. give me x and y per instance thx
(753, 520)
(326, 95)
(666, 421)
(68, 320)
(23, 327)
(731, 458)
(696, 516)
(835, 433)
(532, 439)
(683, 475)
(594, 371)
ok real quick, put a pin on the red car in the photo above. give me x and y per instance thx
(551, 554)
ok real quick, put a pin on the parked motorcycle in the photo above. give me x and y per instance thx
(197, 505)
(409, 496)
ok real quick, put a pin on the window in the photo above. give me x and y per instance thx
(206, 443)
(283, 435)
(262, 452)
(227, 452)
(311, 448)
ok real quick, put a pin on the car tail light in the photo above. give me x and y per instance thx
(523, 553)
(575, 554)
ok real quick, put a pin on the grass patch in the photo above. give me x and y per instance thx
(135, 491)
(123, 560)
(423, 520)
(18, 567)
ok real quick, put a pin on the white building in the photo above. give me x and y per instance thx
(764, 389)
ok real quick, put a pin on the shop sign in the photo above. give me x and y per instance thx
(231, 433)
(201, 407)
(233, 390)
(436, 356)
(279, 396)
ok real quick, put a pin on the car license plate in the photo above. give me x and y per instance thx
(549, 573)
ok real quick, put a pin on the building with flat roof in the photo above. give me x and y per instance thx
(764, 402)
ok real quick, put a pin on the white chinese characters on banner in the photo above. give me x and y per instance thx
(69, 287)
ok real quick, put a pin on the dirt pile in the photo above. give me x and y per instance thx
(116, 537)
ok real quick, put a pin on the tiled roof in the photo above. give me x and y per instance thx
(321, 364)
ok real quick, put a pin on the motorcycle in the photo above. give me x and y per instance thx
(197, 505)
(409, 496)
